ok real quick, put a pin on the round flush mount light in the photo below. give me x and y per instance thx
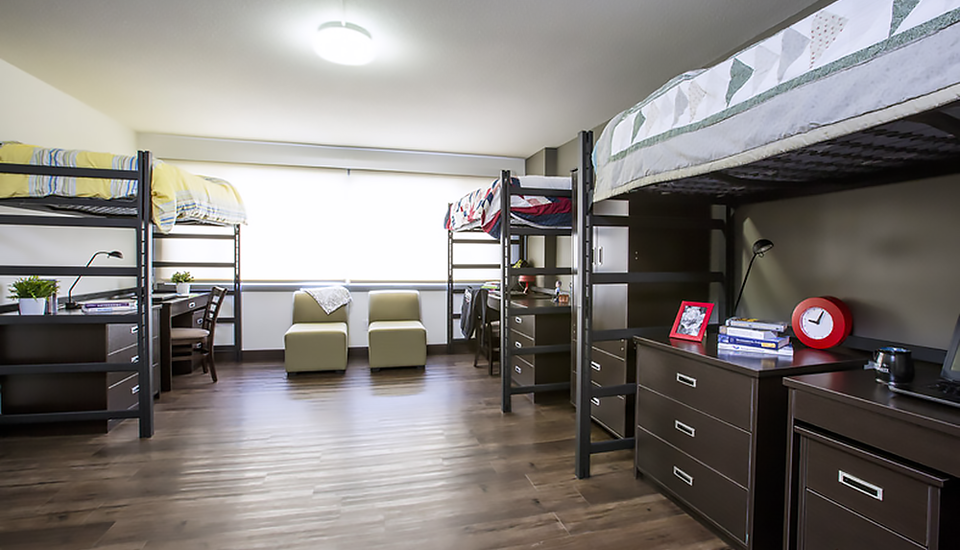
(344, 43)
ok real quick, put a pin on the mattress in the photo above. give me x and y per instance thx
(177, 195)
(851, 66)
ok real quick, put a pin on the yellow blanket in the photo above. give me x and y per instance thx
(177, 195)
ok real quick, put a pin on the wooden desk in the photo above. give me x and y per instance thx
(176, 311)
(712, 431)
(870, 468)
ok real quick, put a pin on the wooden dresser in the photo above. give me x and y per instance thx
(871, 469)
(541, 329)
(712, 431)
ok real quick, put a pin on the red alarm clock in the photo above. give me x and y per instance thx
(822, 322)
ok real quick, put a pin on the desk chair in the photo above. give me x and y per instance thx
(188, 341)
(488, 331)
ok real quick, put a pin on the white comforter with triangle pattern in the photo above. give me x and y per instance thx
(850, 66)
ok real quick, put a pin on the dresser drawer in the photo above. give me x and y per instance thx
(544, 329)
(178, 307)
(614, 413)
(555, 359)
(547, 368)
(713, 390)
(126, 355)
(890, 494)
(827, 525)
(120, 336)
(606, 369)
(712, 495)
(521, 371)
(124, 394)
(721, 446)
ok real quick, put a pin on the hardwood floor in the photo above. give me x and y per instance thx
(402, 458)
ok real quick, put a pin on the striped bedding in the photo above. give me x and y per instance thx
(177, 195)
(481, 208)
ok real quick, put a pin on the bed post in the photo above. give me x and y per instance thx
(582, 299)
(144, 293)
(450, 311)
(506, 401)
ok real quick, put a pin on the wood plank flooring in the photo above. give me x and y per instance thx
(399, 459)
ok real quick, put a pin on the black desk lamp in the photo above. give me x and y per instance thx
(759, 247)
(70, 303)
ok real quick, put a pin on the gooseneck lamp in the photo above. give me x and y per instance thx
(759, 247)
(74, 305)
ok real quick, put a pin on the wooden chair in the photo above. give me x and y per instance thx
(488, 332)
(188, 341)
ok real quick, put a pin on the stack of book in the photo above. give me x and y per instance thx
(754, 336)
(113, 307)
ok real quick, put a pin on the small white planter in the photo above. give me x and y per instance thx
(183, 288)
(32, 306)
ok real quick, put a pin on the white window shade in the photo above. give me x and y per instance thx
(315, 224)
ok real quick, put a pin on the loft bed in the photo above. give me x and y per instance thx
(859, 93)
(478, 213)
(179, 199)
(535, 205)
(102, 191)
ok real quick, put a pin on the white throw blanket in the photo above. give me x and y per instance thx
(330, 298)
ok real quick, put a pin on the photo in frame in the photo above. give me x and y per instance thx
(692, 320)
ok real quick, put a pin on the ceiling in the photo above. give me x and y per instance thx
(492, 77)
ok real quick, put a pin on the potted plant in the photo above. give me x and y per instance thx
(32, 293)
(182, 279)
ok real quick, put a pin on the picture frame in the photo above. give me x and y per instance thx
(692, 320)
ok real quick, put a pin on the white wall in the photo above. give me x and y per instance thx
(34, 112)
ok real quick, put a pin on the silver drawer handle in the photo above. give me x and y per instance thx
(192, 305)
(858, 484)
(518, 344)
(595, 366)
(595, 401)
(684, 429)
(683, 476)
(518, 369)
(518, 320)
(687, 380)
(135, 358)
(134, 329)
(135, 390)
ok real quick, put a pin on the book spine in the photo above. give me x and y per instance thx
(98, 305)
(786, 350)
(756, 324)
(775, 343)
(750, 333)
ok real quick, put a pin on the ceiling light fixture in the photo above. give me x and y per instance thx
(344, 43)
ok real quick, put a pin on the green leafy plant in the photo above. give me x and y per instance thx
(182, 277)
(33, 287)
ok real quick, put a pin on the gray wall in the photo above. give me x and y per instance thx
(892, 253)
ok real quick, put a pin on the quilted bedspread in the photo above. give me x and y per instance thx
(850, 66)
(481, 208)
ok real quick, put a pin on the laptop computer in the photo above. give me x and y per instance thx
(946, 390)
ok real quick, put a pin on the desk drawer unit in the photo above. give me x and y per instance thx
(725, 395)
(886, 496)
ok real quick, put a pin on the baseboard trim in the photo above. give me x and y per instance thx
(361, 353)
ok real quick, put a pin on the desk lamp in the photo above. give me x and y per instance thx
(74, 305)
(759, 247)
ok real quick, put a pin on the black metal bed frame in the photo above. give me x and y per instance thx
(132, 214)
